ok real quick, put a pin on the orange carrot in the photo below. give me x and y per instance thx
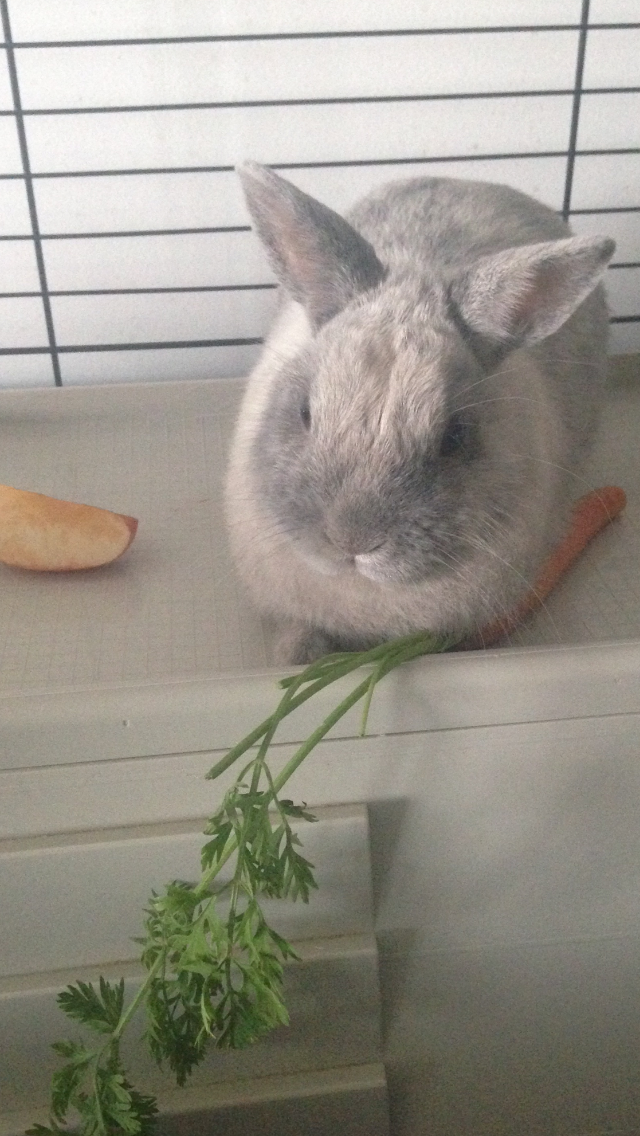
(590, 514)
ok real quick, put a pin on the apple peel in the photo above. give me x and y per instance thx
(44, 534)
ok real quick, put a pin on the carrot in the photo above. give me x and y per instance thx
(591, 513)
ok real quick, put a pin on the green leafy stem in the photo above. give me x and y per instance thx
(214, 966)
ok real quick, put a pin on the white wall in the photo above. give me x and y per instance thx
(135, 114)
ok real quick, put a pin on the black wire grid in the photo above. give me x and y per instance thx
(40, 239)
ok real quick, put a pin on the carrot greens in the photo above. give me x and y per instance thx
(213, 965)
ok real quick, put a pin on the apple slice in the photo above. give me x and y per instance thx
(48, 535)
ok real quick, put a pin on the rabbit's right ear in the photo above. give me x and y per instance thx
(316, 255)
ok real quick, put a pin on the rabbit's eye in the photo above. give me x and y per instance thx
(453, 438)
(305, 415)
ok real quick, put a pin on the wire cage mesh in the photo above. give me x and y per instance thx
(125, 250)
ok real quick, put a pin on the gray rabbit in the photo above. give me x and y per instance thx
(408, 443)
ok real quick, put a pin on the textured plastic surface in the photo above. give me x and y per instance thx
(503, 787)
(170, 610)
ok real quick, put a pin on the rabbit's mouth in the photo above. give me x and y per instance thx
(365, 564)
(374, 567)
(323, 560)
(329, 561)
(382, 565)
(340, 553)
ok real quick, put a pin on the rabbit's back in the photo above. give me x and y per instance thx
(445, 224)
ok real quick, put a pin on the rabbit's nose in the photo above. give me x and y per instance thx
(351, 542)
(353, 524)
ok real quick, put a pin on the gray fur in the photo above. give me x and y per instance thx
(410, 439)
(320, 259)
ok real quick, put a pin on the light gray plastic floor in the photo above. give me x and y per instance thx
(170, 608)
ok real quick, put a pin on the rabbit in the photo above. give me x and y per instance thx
(410, 440)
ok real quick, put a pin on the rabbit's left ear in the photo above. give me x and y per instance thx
(521, 295)
(316, 255)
